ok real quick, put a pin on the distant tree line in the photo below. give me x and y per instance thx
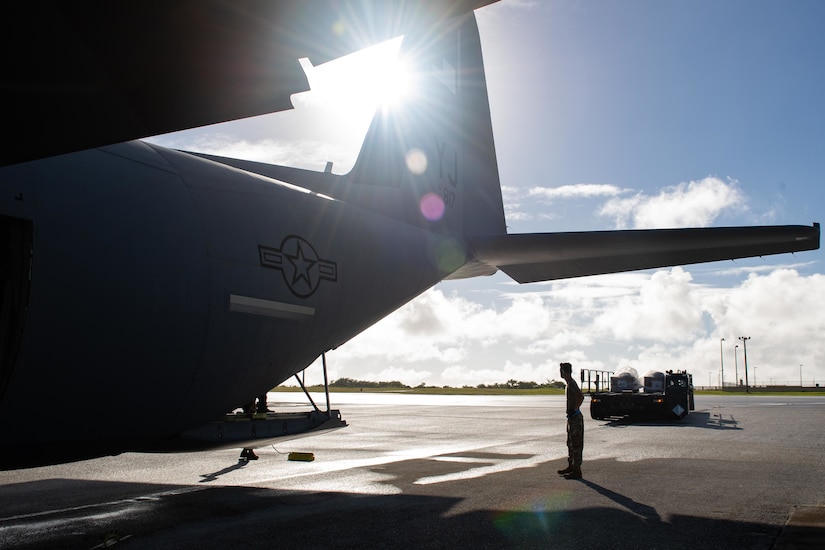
(522, 385)
(395, 384)
(350, 383)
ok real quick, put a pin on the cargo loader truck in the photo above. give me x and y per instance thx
(655, 396)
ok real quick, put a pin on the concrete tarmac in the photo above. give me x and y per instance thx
(453, 472)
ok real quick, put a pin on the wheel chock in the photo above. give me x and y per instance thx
(302, 457)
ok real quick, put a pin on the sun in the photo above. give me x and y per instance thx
(365, 80)
(379, 75)
(393, 85)
(328, 123)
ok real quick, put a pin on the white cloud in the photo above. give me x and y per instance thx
(410, 377)
(564, 339)
(781, 306)
(764, 268)
(586, 190)
(665, 309)
(651, 321)
(426, 329)
(457, 375)
(439, 328)
(688, 204)
(510, 193)
(779, 311)
(513, 211)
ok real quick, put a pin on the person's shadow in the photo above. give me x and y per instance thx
(647, 512)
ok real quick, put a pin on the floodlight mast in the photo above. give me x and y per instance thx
(736, 365)
(745, 349)
(722, 362)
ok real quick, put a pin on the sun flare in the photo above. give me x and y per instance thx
(394, 85)
(365, 80)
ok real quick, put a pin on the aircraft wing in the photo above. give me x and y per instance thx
(78, 75)
(532, 257)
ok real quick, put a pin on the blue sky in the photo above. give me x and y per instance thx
(648, 93)
(609, 115)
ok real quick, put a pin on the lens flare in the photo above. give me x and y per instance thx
(449, 256)
(339, 28)
(416, 161)
(543, 523)
(432, 207)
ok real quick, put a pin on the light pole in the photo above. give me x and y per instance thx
(745, 350)
(722, 362)
(736, 365)
(800, 376)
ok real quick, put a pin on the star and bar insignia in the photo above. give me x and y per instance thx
(300, 265)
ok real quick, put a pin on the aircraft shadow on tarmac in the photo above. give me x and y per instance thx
(214, 476)
(698, 419)
(524, 515)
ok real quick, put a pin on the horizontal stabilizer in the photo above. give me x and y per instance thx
(531, 257)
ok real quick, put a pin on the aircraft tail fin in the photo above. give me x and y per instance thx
(437, 147)
(429, 160)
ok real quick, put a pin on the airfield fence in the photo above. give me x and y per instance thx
(814, 387)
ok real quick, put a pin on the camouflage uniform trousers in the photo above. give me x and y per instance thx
(575, 438)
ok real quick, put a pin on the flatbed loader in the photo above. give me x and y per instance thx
(662, 396)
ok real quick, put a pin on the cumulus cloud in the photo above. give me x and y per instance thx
(688, 204)
(781, 306)
(514, 210)
(408, 376)
(778, 311)
(737, 270)
(520, 204)
(564, 339)
(510, 193)
(425, 330)
(652, 321)
(697, 203)
(586, 190)
(458, 375)
(438, 329)
(665, 309)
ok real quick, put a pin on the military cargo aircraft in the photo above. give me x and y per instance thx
(145, 292)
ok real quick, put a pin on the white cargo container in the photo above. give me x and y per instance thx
(626, 378)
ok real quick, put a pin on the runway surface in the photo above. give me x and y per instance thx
(453, 471)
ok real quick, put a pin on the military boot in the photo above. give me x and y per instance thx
(567, 470)
(574, 473)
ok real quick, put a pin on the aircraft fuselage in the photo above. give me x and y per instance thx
(184, 287)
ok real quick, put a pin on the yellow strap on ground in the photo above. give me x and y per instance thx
(303, 457)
